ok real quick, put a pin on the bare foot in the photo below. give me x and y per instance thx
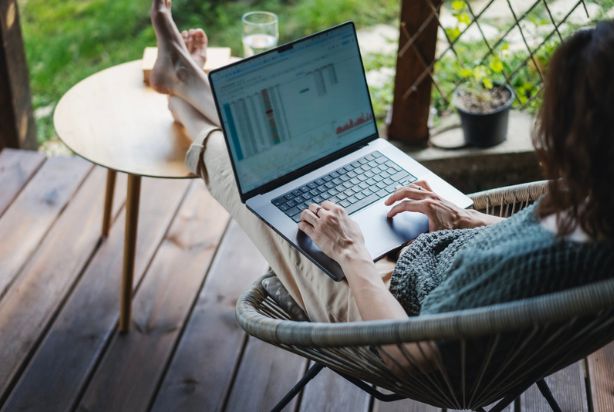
(196, 43)
(175, 64)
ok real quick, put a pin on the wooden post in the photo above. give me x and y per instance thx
(411, 106)
(17, 127)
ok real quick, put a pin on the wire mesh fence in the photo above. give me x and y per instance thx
(493, 41)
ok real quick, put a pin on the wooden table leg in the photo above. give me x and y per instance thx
(108, 202)
(132, 217)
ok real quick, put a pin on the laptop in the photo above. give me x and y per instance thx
(300, 129)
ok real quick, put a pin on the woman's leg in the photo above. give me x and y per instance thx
(191, 103)
(322, 298)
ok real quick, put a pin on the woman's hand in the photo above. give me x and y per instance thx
(330, 227)
(442, 214)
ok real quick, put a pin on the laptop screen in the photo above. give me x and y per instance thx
(285, 109)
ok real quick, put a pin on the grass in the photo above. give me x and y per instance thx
(67, 40)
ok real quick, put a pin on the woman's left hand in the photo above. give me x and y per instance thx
(330, 227)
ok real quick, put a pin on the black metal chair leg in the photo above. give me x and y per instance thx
(309, 375)
(547, 393)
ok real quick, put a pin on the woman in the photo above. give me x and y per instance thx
(469, 259)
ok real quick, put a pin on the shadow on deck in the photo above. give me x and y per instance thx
(59, 300)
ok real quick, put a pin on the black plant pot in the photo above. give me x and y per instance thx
(486, 129)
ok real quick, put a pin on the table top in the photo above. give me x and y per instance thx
(115, 120)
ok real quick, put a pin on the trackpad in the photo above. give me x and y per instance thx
(383, 234)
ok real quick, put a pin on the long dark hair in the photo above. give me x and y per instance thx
(574, 134)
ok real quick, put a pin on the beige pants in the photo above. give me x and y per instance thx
(322, 298)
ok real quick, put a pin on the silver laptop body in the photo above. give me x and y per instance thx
(299, 127)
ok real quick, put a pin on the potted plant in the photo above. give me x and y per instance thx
(483, 103)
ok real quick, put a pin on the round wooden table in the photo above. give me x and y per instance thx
(115, 120)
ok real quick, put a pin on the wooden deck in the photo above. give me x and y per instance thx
(59, 298)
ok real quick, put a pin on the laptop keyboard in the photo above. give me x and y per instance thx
(354, 186)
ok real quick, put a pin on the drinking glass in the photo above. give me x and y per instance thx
(260, 32)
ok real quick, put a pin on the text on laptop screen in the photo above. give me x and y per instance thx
(286, 109)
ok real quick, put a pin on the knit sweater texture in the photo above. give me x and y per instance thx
(459, 269)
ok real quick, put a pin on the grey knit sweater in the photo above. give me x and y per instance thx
(459, 269)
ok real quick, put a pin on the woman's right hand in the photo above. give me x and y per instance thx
(442, 214)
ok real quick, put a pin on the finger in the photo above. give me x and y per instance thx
(313, 207)
(407, 206)
(307, 228)
(405, 192)
(423, 184)
(328, 205)
(309, 217)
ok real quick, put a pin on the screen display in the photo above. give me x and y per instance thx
(288, 108)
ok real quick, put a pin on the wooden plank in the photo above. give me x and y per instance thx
(16, 169)
(18, 127)
(406, 405)
(330, 392)
(24, 225)
(410, 112)
(69, 352)
(568, 388)
(265, 375)
(601, 375)
(48, 276)
(161, 306)
(200, 374)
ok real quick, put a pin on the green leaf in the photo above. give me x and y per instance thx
(487, 83)
(464, 18)
(458, 5)
(496, 65)
(465, 73)
(453, 33)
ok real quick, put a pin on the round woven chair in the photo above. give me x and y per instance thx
(487, 355)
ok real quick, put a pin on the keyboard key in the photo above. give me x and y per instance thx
(363, 185)
(293, 211)
(278, 201)
(283, 207)
(352, 199)
(354, 181)
(349, 192)
(359, 196)
(334, 174)
(382, 193)
(362, 160)
(367, 191)
(290, 203)
(333, 191)
(319, 182)
(327, 178)
(344, 203)
(362, 203)
(329, 185)
(378, 154)
(288, 196)
(311, 185)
